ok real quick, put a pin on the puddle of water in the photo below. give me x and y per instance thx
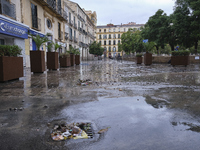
(136, 124)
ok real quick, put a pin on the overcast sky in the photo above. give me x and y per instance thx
(124, 11)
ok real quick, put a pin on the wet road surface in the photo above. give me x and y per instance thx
(146, 107)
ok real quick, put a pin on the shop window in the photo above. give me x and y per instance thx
(2, 42)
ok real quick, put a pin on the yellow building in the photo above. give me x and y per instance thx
(110, 35)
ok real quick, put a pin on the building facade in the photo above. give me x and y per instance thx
(110, 35)
(63, 21)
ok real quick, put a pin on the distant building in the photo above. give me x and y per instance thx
(110, 35)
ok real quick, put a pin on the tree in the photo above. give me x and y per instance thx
(191, 12)
(127, 41)
(157, 29)
(96, 49)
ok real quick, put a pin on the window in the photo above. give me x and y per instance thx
(109, 49)
(100, 42)
(99, 36)
(99, 30)
(119, 36)
(118, 41)
(114, 35)
(109, 36)
(124, 29)
(114, 42)
(49, 25)
(2, 42)
(109, 30)
(104, 42)
(104, 30)
(109, 42)
(59, 30)
(34, 16)
(113, 30)
(105, 49)
(105, 36)
(119, 30)
(114, 49)
(70, 33)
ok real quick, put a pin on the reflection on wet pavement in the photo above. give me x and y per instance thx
(147, 107)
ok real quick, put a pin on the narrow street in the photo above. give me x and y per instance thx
(153, 107)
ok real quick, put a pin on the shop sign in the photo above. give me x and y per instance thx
(9, 28)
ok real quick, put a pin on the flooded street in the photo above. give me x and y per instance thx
(145, 107)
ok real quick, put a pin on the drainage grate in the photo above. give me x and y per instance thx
(87, 127)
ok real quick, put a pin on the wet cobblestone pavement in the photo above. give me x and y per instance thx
(146, 107)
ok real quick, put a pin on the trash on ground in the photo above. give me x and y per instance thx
(72, 131)
(103, 130)
(84, 82)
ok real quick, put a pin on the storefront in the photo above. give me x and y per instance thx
(13, 33)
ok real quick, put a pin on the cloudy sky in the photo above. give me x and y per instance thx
(124, 11)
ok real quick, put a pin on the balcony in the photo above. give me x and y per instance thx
(71, 38)
(36, 23)
(75, 25)
(71, 22)
(55, 7)
(8, 9)
(75, 40)
(66, 36)
(60, 35)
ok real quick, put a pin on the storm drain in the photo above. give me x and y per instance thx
(64, 131)
(87, 127)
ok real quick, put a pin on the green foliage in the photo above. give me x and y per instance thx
(56, 46)
(131, 41)
(74, 50)
(157, 29)
(149, 46)
(181, 53)
(96, 49)
(39, 40)
(65, 55)
(138, 55)
(10, 50)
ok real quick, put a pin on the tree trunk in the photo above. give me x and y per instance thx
(172, 47)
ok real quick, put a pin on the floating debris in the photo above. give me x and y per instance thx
(84, 82)
(103, 130)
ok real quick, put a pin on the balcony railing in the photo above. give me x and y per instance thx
(66, 36)
(36, 23)
(55, 7)
(60, 35)
(75, 25)
(71, 22)
(71, 38)
(75, 40)
(8, 8)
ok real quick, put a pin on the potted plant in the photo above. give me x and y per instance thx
(139, 58)
(11, 66)
(52, 57)
(37, 58)
(77, 56)
(72, 55)
(65, 60)
(180, 57)
(148, 56)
